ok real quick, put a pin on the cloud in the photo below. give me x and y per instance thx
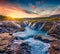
(56, 10)
(32, 6)
(2, 1)
(38, 2)
(16, 11)
(47, 13)
(41, 10)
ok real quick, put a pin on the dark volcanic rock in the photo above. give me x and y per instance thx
(42, 38)
(23, 48)
(55, 35)
(46, 39)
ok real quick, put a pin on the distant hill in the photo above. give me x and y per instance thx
(2, 17)
(57, 15)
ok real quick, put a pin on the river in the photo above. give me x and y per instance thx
(37, 46)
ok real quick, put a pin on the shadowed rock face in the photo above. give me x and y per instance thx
(54, 47)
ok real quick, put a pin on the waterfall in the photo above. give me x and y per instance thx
(33, 25)
(42, 25)
(52, 28)
(39, 26)
(17, 25)
(25, 23)
(29, 24)
(37, 46)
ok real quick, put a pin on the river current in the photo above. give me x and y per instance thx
(37, 46)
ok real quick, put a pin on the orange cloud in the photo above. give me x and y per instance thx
(15, 11)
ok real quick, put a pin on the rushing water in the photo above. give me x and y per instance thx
(37, 47)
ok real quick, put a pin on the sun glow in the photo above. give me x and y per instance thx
(15, 12)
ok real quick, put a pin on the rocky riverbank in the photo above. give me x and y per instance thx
(7, 46)
(10, 27)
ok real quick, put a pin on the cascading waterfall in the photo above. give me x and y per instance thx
(29, 24)
(33, 26)
(37, 47)
(26, 23)
(17, 25)
(53, 27)
(42, 25)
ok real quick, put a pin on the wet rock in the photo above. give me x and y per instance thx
(54, 47)
(23, 48)
(55, 36)
(42, 38)
(46, 39)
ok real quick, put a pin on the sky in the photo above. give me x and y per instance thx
(29, 8)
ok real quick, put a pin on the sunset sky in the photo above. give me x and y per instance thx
(29, 8)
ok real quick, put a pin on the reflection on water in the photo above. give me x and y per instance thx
(37, 47)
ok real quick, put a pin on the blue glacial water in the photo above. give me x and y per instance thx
(37, 46)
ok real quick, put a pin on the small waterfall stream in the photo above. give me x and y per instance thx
(17, 25)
